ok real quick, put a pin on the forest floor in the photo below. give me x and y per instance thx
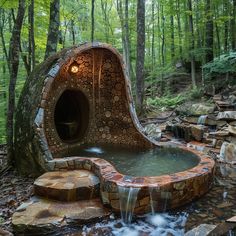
(14, 189)
(214, 208)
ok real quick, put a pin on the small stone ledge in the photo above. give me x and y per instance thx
(44, 217)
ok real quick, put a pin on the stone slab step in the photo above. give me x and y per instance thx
(40, 216)
(68, 185)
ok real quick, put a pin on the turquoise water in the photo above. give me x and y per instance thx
(132, 162)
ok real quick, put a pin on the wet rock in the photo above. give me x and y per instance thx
(225, 205)
(202, 109)
(202, 230)
(232, 99)
(232, 219)
(228, 152)
(195, 109)
(44, 216)
(222, 229)
(5, 233)
(227, 115)
(153, 131)
(198, 146)
(68, 185)
(219, 134)
(232, 129)
(197, 132)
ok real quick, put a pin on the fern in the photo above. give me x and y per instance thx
(221, 65)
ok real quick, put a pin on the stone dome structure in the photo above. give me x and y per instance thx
(79, 95)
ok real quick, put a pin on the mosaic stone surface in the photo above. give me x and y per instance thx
(67, 185)
(105, 110)
(42, 216)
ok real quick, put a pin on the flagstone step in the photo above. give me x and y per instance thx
(67, 186)
(41, 216)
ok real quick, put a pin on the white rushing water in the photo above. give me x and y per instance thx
(152, 225)
(95, 150)
(202, 120)
(127, 197)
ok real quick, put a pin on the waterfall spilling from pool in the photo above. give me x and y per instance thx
(128, 197)
(202, 120)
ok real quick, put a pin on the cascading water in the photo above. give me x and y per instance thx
(153, 204)
(202, 120)
(128, 197)
(222, 149)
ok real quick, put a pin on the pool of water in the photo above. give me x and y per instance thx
(133, 162)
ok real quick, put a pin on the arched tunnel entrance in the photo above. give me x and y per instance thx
(71, 116)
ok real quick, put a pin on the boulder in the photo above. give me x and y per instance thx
(228, 152)
(202, 109)
(232, 99)
(195, 109)
(232, 129)
(197, 132)
(202, 230)
(5, 233)
(153, 131)
(227, 116)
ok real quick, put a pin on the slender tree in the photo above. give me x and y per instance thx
(233, 26)
(172, 27)
(192, 44)
(14, 51)
(31, 42)
(209, 31)
(92, 21)
(53, 31)
(153, 34)
(123, 13)
(179, 30)
(140, 54)
(226, 27)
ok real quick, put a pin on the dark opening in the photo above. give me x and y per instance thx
(71, 115)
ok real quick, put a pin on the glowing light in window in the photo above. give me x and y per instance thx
(74, 69)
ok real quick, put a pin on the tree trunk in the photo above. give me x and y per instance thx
(226, 28)
(153, 34)
(72, 26)
(2, 23)
(105, 19)
(233, 27)
(53, 31)
(31, 35)
(92, 21)
(172, 32)
(209, 32)
(14, 51)
(127, 41)
(162, 47)
(124, 21)
(179, 31)
(140, 54)
(193, 70)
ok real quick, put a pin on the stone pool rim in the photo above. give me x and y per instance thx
(106, 169)
(190, 184)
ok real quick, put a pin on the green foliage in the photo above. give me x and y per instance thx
(165, 102)
(195, 94)
(221, 65)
